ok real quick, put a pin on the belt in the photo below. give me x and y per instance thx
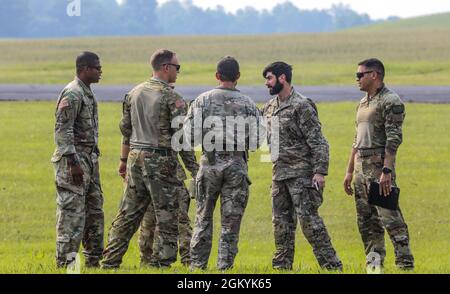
(86, 149)
(370, 152)
(162, 152)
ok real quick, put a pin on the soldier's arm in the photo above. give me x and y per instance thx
(260, 128)
(126, 130)
(310, 126)
(125, 123)
(194, 134)
(66, 113)
(190, 162)
(393, 114)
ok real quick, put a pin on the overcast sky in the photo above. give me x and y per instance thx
(375, 8)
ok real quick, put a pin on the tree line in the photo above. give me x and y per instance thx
(49, 18)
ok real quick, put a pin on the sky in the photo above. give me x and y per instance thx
(375, 8)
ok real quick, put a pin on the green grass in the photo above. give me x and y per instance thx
(420, 56)
(27, 193)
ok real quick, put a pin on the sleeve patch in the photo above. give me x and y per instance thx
(64, 103)
(398, 109)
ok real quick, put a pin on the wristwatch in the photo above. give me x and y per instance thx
(386, 170)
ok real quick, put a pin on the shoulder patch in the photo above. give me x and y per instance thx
(398, 109)
(64, 103)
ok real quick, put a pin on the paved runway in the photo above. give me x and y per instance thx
(424, 94)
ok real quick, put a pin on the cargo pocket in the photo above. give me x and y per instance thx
(64, 178)
(315, 197)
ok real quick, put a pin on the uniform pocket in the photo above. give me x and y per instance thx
(315, 197)
(64, 178)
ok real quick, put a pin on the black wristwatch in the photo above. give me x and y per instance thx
(387, 170)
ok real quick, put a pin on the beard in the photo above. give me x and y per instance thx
(275, 90)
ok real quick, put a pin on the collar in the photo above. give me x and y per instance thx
(225, 88)
(379, 90)
(159, 81)
(288, 99)
(84, 87)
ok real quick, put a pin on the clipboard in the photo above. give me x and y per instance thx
(389, 202)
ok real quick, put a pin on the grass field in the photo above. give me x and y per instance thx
(420, 56)
(27, 193)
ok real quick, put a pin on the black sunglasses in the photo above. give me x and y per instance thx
(359, 75)
(177, 66)
(99, 68)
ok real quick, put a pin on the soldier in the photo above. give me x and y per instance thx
(148, 225)
(299, 171)
(379, 119)
(79, 198)
(223, 165)
(149, 162)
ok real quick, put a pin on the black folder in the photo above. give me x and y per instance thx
(389, 202)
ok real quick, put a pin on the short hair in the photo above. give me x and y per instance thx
(278, 68)
(228, 69)
(375, 65)
(86, 58)
(161, 57)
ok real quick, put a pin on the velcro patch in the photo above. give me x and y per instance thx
(398, 109)
(179, 103)
(63, 104)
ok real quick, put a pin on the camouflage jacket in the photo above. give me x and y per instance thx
(379, 121)
(303, 150)
(216, 111)
(148, 111)
(76, 120)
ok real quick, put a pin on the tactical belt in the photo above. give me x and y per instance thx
(85, 149)
(162, 152)
(370, 152)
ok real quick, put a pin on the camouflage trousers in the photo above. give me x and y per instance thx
(292, 198)
(148, 230)
(227, 178)
(150, 181)
(79, 212)
(372, 220)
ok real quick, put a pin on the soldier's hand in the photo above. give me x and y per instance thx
(192, 188)
(320, 180)
(77, 174)
(385, 184)
(122, 169)
(348, 183)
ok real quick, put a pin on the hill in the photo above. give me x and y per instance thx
(439, 21)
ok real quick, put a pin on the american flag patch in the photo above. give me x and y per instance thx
(63, 104)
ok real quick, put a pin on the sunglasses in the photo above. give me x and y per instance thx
(177, 66)
(99, 68)
(359, 75)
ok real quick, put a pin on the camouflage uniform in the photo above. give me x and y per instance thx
(379, 127)
(303, 152)
(148, 225)
(148, 111)
(221, 173)
(79, 208)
